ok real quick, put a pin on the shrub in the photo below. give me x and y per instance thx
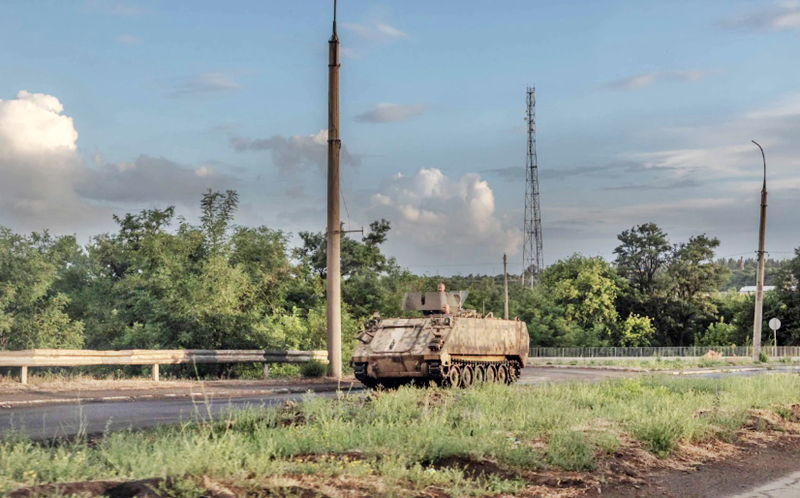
(313, 368)
(569, 450)
(762, 357)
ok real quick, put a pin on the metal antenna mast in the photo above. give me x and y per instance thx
(532, 248)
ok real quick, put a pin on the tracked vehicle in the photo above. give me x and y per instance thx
(445, 344)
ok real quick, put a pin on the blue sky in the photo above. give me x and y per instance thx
(645, 112)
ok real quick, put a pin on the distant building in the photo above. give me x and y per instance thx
(751, 289)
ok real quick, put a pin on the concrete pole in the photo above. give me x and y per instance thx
(758, 319)
(334, 271)
(505, 283)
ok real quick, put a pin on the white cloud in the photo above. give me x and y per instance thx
(47, 183)
(447, 218)
(644, 80)
(33, 122)
(204, 171)
(295, 153)
(786, 15)
(39, 164)
(378, 31)
(128, 40)
(385, 112)
(789, 107)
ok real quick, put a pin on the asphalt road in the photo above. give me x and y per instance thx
(786, 487)
(51, 421)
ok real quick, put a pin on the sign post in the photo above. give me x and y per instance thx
(775, 324)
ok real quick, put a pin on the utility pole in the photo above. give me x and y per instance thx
(760, 275)
(334, 271)
(505, 283)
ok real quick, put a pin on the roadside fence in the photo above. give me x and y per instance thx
(649, 352)
(154, 357)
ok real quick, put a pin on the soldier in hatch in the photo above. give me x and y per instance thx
(440, 287)
(446, 309)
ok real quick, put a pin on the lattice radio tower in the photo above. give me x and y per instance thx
(532, 249)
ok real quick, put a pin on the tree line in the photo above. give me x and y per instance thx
(161, 282)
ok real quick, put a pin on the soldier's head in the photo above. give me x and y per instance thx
(446, 309)
(440, 287)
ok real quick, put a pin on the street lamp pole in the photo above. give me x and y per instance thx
(758, 319)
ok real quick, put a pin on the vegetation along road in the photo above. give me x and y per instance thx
(48, 421)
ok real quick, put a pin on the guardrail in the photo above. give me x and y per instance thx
(154, 357)
(688, 351)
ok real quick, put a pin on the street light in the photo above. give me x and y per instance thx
(760, 275)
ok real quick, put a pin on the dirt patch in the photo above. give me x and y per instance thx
(162, 488)
(753, 465)
(473, 469)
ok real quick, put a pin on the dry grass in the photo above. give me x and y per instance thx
(554, 441)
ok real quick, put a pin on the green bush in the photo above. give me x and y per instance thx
(313, 369)
(659, 434)
(568, 450)
(762, 357)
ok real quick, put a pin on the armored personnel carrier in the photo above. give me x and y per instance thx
(445, 344)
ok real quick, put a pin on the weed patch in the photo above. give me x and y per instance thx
(488, 440)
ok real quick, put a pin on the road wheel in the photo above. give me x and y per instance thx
(467, 376)
(491, 374)
(502, 374)
(453, 376)
(480, 374)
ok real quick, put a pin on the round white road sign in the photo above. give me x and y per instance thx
(774, 324)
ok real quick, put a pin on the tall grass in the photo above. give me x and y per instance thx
(396, 436)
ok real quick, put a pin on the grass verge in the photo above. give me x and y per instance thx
(488, 440)
(658, 364)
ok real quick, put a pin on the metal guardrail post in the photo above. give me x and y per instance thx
(266, 371)
(23, 374)
(155, 373)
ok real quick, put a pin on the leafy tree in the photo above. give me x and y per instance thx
(644, 250)
(32, 313)
(717, 334)
(586, 288)
(635, 331)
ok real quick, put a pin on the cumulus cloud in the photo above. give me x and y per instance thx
(47, 183)
(445, 216)
(786, 15)
(385, 112)
(128, 40)
(378, 31)
(32, 123)
(295, 153)
(205, 83)
(38, 164)
(647, 79)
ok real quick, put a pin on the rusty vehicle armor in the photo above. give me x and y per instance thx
(456, 349)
